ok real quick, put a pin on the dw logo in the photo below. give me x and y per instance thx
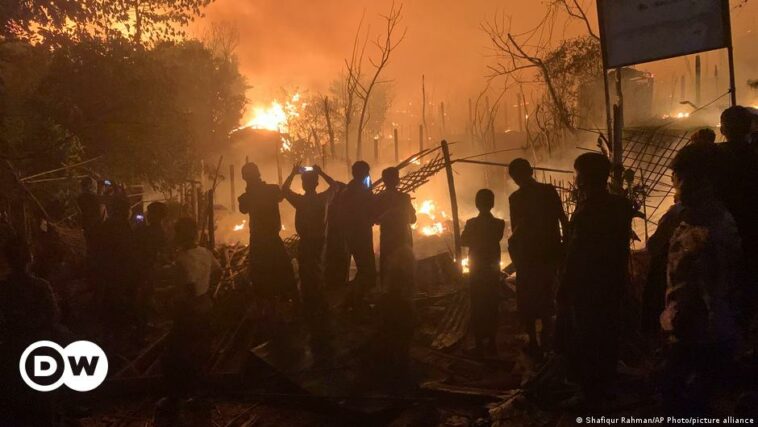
(81, 366)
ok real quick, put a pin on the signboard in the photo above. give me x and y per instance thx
(637, 31)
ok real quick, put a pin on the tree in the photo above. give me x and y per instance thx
(19, 17)
(385, 44)
(54, 21)
(357, 88)
(150, 113)
(148, 20)
(561, 70)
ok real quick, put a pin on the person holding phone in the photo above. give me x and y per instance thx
(352, 211)
(310, 224)
(270, 267)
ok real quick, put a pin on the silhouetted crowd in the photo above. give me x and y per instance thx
(572, 275)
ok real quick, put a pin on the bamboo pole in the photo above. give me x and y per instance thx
(453, 205)
(397, 148)
(421, 137)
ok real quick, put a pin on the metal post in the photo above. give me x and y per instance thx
(232, 189)
(730, 52)
(453, 205)
(618, 133)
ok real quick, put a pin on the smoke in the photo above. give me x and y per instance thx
(294, 43)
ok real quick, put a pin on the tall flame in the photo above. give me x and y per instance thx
(276, 116)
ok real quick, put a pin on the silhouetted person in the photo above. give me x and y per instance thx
(395, 215)
(536, 249)
(28, 313)
(310, 224)
(396, 318)
(595, 276)
(482, 236)
(336, 256)
(703, 265)
(118, 271)
(188, 343)
(153, 250)
(737, 188)
(654, 294)
(92, 211)
(703, 136)
(353, 208)
(270, 267)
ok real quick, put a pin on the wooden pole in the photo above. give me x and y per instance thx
(608, 114)
(421, 137)
(376, 150)
(453, 205)
(698, 74)
(397, 147)
(232, 189)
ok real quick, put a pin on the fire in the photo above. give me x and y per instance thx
(276, 116)
(240, 226)
(434, 227)
(432, 230)
(465, 264)
(679, 115)
(428, 207)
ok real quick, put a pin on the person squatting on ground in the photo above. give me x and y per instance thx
(536, 250)
(482, 236)
(270, 268)
(594, 277)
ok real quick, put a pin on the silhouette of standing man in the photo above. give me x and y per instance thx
(310, 224)
(270, 267)
(353, 209)
(482, 236)
(394, 214)
(535, 247)
(594, 276)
